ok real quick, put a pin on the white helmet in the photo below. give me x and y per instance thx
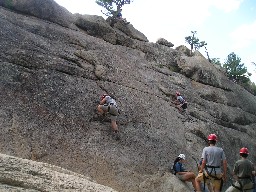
(182, 156)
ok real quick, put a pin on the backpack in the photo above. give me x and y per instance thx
(173, 170)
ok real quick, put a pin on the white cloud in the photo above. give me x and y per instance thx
(170, 19)
(244, 36)
(173, 19)
(227, 5)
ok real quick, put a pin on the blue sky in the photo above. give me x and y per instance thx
(225, 25)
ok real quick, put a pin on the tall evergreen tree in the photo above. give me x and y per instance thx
(235, 69)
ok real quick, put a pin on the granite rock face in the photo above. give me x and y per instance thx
(163, 41)
(25, 175)
(52, 75)
(47, 10)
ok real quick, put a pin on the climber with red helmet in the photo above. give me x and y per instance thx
(108, 105)
(213, 159)
(243, 173)
(180, 102)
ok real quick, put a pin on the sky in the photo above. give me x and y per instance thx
(225, 25)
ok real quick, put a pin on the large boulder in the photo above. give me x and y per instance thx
(25, 175)
(165, 183)
(199, 69)
(47, 10)
(163, 41)
(183, 49)
(129, 30)
(96, 26)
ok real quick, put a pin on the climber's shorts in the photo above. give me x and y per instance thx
(247, 187)
(216, 183)
(184, 105)
(111, 109)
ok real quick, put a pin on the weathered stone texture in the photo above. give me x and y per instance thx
(163, 41)
(25, 175)
(52, 75)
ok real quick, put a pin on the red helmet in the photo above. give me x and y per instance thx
(177, 93)
(244, 150)
(103, 96)
(212, 137)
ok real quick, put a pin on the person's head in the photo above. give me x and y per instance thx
(103, 96)
(179, 158)
(182, 156)
(244, 152)
(212, 139)
(177, 93)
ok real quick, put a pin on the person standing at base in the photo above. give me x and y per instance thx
(243, 173)
(213, 158)
(108, 105)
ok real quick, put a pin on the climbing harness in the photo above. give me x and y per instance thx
(241, 188)
(210, 175)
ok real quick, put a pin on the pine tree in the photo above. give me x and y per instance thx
(216, 61)
(235, 69)
(113, 7)
(195, 44)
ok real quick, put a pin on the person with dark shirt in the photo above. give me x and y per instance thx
(181, 172)
(243, 173)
